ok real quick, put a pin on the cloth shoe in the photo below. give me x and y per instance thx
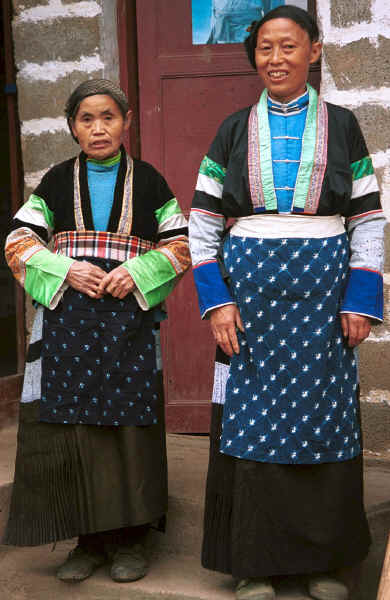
(80, 564)
(129, 563)
(323, 587)
(255, 589)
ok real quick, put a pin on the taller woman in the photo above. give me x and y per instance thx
(297, 288)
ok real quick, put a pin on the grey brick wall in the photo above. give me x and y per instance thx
(57, 45)
(356, 74)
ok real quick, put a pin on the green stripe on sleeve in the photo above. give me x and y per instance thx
(153, 275)
(38, 203)
(45, 274)
(169, 209)
(36, 212)
(212, 169)
(362, 168)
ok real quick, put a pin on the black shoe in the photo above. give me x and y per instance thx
(80, 564)
(323, 587)
(129, 563)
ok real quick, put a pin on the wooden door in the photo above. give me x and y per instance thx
(185, 91)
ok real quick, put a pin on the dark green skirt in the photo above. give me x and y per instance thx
(79, 479)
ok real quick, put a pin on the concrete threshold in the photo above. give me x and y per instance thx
(175, 574)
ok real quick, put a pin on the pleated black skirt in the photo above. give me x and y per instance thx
(266, 519)
(79, 479)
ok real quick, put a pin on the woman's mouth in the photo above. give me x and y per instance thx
(277, 75)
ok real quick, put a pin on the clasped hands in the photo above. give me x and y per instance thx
(93, 281)
(225, 321)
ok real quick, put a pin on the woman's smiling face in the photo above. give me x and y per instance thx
(284, 53)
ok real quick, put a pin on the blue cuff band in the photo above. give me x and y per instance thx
(364, 294)
(211, 288)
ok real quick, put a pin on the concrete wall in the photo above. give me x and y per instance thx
(57, 44)
(356, 74)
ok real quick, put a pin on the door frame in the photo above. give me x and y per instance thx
(128, 68)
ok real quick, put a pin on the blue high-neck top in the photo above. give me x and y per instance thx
(102, 176)
(287, 124)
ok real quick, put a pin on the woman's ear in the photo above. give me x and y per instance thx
(316, 49)
(73, 129)
(128, 118)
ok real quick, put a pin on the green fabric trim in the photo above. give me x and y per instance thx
(153, 275)
(107, 162)
(308, 151)
(362, 168)
(45, 274)
(267, 176)
(37, 203)
(169, 209)
(212, 169)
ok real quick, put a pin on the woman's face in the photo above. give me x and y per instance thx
(99, 126)
(283, 55)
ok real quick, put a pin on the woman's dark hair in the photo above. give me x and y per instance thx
(298, 15)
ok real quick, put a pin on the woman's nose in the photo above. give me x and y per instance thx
(276, 55)
(97, 126)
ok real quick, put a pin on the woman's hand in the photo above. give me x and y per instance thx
(224, 321)
(118, 283)
(85, 277)
(355, 328)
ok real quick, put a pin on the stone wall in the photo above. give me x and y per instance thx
(356, 74)
(57, 45)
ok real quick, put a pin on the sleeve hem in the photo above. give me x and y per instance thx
(139, 296)
(206, 315)
(45, 277)
(62, 287)
(354, 312)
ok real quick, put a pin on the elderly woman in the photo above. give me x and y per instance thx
(91, 458)
(297, 288)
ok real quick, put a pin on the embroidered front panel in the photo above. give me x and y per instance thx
(127, 203)
(78, 211)
(100, 244)
(254, 167)
(320, 160)
(308, 154)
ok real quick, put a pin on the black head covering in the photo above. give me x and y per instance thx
(298, 15)
(92, 87)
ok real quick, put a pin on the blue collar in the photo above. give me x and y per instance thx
(294, 106)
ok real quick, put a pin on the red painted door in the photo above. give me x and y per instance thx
(185, 91)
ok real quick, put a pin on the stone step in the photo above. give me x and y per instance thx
(28, 573)
(375, 413)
